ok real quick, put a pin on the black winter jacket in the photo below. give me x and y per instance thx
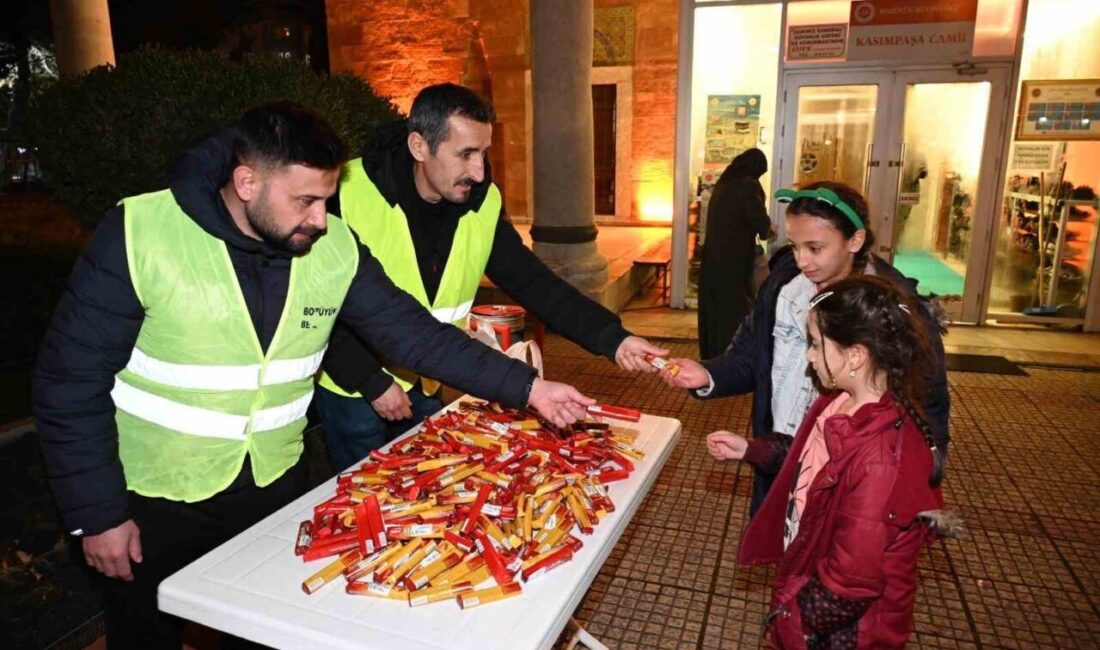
(353, 364)
(98, 318)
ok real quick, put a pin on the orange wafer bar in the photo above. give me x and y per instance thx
(492, 594)
(661, 363)
(376, 590)
(330, 572)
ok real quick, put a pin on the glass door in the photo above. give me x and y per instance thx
(833, 130)
(941, 187)
(924, 147)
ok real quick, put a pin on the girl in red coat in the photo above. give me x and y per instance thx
(857, 493)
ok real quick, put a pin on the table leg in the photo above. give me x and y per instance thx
(581, 635)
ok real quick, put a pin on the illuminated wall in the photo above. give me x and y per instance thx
(401, 46)
(736, 52)
(1062, 41)
(654, 128)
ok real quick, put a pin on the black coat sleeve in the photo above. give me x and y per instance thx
(396, 325)
(90, 338)
(736, 212)
(348, 360)
(756, 212)
(937, 404)
(734, 371)
(523, 276)
(353, 366)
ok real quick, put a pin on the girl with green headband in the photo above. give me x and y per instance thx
(828, 241)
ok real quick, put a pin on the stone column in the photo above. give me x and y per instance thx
(564, 230)
(81, 34)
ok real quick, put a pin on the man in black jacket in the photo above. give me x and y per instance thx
(422, 198)
(254, 198)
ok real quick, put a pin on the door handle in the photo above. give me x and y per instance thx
(901, 156)
(898, 163)
(871, 162)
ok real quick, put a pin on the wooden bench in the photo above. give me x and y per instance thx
(659, 258)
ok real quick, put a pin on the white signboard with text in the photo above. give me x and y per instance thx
(806, 42)
(1032, 158)
(923, 30)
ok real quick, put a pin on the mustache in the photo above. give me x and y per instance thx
(466, 182)
(311, 231)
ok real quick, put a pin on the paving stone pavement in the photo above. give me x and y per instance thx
(1022, 473)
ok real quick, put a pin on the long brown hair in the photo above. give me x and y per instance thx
(873, 312)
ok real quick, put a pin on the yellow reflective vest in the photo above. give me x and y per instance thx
(385, 231)
(198, 393)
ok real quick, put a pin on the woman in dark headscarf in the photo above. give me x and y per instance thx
(736, 216)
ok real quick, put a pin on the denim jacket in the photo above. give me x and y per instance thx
(792, 387)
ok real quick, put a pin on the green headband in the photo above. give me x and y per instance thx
(824, 195)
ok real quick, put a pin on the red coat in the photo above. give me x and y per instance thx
(854, 559)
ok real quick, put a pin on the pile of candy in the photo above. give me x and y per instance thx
(479, 494)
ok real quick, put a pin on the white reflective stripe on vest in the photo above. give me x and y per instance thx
(451, 314)
(282, 371)
(280, 416)
(178, 417)
(208, 377)
(182, 375)
(203, 422)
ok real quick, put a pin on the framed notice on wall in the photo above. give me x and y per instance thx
(1035, 157)
(809, 42)
(1059, 110)
(733, 124)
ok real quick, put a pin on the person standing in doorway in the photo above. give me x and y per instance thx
(736, 216)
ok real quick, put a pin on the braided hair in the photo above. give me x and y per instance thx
(873, 312)
(814, 208)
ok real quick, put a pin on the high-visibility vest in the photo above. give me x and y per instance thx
(198, 393)
(385, 231)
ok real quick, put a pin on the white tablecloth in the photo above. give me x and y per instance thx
(251, 585)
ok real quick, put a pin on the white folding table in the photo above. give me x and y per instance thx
(251, 585)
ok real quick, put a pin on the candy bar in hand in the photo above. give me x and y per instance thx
(662, 364)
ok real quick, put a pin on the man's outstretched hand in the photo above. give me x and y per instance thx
(559, 403)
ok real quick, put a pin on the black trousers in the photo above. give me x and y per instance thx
(174, 534)
(761, 484)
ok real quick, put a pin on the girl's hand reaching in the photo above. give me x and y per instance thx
(724, 445)
(692, 374)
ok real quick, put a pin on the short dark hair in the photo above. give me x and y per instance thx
(434, 104)
(283, 133)
(848, 194)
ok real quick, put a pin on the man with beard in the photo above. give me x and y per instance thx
(422, 199)
(171, 388)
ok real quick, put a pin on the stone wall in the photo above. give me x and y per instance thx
(654, 125)
(400, 46)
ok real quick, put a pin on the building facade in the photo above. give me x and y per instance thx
(973, 126)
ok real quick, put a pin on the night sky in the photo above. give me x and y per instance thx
(176, 24)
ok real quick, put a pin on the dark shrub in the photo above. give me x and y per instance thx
(111, 132)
